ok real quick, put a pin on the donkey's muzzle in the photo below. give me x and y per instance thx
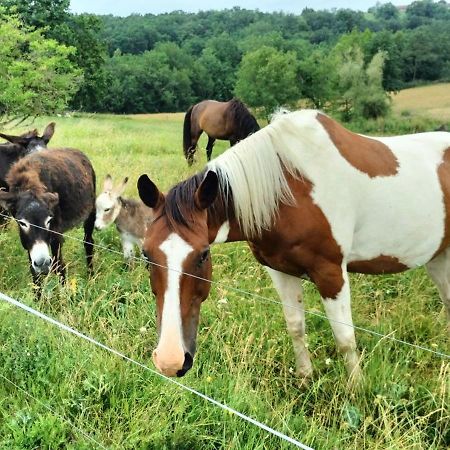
(42, 265)
(188, 361)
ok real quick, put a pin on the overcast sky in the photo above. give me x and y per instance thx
(127, 7)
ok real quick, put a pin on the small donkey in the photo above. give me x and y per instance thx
(130, 216)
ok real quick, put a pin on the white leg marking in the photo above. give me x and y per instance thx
(339, 314)
(169, 355)
(439, 271)
(222, 234)
(289, 289)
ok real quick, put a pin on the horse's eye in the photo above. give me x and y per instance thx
(203, 257)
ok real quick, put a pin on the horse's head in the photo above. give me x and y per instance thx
(108, 203)
(31, 141)
(34, 215)
(177, 246)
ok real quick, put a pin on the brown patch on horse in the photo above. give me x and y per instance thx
(301, 242)
(379, 265)
(444, 179)
(368, 155)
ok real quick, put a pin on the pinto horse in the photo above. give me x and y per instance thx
(312, 199)
(51, 191)
(229, 121)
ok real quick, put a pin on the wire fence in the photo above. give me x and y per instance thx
(258, 296)
(77, 333)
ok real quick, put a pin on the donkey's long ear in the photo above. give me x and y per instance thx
(149, 193)
(108, 184)
(7, 199)
(20, 140)
(48, 132)
(51, 198)
(207, 191)
(121, 187)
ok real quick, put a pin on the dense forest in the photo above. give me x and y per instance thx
(166, 62)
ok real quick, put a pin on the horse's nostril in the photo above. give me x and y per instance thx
(188, 361)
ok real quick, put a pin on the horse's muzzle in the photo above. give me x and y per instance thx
(188, 361)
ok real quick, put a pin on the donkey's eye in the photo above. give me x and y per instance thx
(48, 222)
(23, 224)
(107, 209)
(203, 257)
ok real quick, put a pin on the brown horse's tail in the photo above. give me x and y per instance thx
(187, 137)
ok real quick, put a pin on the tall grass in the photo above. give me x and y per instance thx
(244, 359)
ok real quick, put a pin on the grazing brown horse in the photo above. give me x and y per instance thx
(311, 198)
(229, 121)
(51, 190)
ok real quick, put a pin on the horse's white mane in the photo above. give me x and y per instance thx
(254, 169)
(278, 112)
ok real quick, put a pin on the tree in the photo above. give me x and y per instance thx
(37, 75)
(360, 85)
(268, 78)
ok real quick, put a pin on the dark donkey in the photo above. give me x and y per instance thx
(20, 146)
(51, 190)
(229, 121)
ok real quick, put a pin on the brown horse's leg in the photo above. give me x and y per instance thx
(209, 147)
(89, 241)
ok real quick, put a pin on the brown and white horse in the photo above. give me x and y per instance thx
(311, 198)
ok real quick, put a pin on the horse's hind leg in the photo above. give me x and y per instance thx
(89, 240)
(439, 271)
(289, 289)
(209, 147)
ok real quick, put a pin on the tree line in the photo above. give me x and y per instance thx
(341, 59)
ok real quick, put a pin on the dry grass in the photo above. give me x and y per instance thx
(432, 101)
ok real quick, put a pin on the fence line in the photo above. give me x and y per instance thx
(79, 430)
(259, 297)
(225, 407)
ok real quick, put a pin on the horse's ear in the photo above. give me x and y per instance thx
(48, 132)
(51, 198)
(108, 183)
(207, 191)
(119, 189)
(7, 199)
(149, 193)
(20, 140)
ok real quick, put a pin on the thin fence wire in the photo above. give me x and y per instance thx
(257, 296)
(49, 408)
(223, 406)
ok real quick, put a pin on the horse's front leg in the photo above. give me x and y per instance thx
(334, 288)
(209, 147)
(289, 289)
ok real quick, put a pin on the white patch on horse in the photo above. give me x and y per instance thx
(176, 250)
(222, 234)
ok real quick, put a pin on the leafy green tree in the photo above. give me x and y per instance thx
(360, 85)
(268, 78)
(37, 75)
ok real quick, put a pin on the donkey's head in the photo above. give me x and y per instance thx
(108, 203)
(31, 141)
(34, 215)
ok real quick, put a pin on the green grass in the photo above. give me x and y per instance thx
(244, 358)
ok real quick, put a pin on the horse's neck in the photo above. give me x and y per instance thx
(223, 225)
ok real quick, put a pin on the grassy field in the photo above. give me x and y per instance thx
(432, 101)
(244, 358)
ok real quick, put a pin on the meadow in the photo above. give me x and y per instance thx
(244, 356)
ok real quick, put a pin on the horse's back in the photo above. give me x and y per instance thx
(382, 196)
